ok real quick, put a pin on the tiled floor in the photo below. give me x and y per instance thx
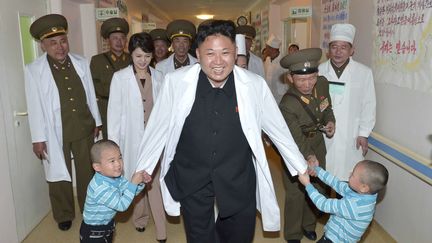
(47, 232)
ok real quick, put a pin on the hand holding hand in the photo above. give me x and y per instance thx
(304, 179)
(363, 143)
(137, 177)
(146, 177)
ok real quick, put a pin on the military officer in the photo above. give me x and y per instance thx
(307, 110)
(104, 65)
(255, 64)
(161, 44)
(181, 34)
(63, 115)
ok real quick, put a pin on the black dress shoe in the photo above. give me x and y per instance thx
(293, 241)
(311, 235)
(65, 225)
(140, 229)
(162, 241)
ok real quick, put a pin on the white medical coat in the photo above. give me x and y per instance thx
(125, 115)
(275, 77)
(167, 65)
(256, 65)
(354, 110)
(43, 104)
(257, 110)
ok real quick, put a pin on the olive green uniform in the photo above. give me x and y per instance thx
(299, 214)
(103, 66)
(78, 136)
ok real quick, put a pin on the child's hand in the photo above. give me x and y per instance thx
(137, 177)
(304, 179)
(146, 177)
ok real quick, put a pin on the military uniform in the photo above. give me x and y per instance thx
(305, 115)
(63, 115)
(159, 34)
(178, 28)
(104, 65)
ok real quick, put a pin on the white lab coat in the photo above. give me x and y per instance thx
(257, 110)
(354, 110)
(275, 77)
(256, 65)
(125, 115)
(43, 104)
(167, 65)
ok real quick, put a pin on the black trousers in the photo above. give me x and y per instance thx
(97, 233)
(199, 220)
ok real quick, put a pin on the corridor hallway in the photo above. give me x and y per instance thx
(47, 232)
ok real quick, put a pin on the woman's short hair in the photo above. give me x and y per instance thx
(141, 40)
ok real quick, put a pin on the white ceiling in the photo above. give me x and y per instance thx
(187, 9)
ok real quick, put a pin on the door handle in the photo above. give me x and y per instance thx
(17, 113)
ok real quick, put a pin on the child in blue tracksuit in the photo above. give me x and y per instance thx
(107, 193)
(351, 215)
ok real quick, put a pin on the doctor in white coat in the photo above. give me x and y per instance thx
(353, 97)
(256, 111)
(132, 94)
(63, 115)
(181, 33)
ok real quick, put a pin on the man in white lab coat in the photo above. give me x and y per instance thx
(208, 120)
(255, 64)
(274, 73)
(181, 33)
(353, 96)
(63, 115)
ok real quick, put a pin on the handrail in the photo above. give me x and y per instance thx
(401, 156)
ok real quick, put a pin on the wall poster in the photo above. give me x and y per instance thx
(403, 43)
(333, 11)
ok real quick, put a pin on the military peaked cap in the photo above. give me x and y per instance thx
(48, 26)
(159, 34)
(304, 61)
(181, 27)
(114, 25)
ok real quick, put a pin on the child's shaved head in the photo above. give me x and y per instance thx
(99, 146)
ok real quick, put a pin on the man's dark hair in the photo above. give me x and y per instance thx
(141, 40)
(216, 27)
